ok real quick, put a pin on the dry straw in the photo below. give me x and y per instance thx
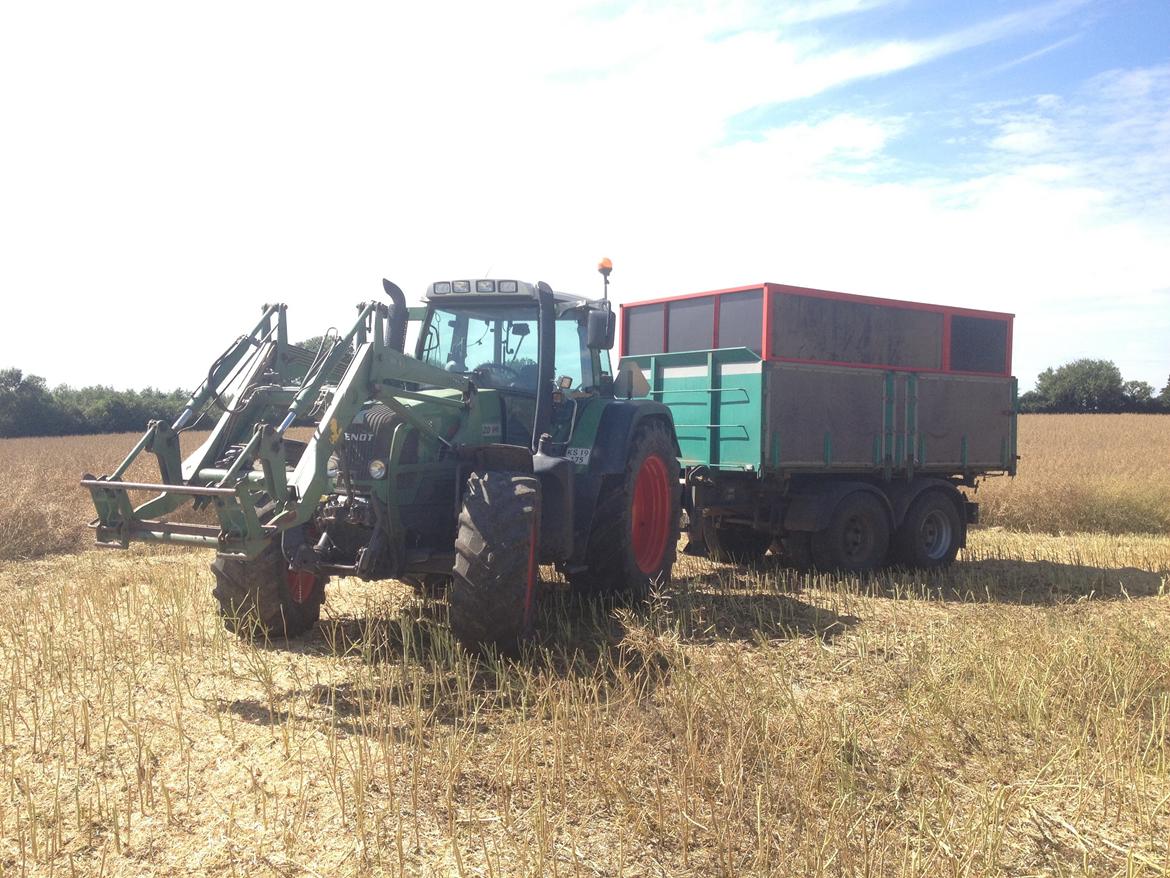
(1009, 717)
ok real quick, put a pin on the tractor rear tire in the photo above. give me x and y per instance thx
(857, 537)
(262, 598)
(735, 544)
(492, 594)
(634, 539)
(930, 534)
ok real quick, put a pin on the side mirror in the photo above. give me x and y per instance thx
(599, 330)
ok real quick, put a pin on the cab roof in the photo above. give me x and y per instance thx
(499, 290)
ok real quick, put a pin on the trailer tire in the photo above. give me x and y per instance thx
(930, 534)
(857, 537)
(262, 598)
(492, 593)
(735, 544)
(634, 538)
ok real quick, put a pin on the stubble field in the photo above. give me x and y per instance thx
(1009, 717)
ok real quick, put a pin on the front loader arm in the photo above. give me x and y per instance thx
(254, 506)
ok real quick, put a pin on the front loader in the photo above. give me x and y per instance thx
(502, 444)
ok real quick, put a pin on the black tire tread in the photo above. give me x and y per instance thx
(611, 568)
(826, 543)
(906, 550)
(487, 591)
(254, 600)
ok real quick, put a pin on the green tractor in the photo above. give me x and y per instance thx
(502, 444)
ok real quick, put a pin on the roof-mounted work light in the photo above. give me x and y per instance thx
(605, 266)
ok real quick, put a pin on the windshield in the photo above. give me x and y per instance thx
(497, 345)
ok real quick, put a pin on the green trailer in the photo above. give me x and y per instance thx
(836, 429)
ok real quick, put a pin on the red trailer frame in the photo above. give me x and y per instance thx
(771, 290)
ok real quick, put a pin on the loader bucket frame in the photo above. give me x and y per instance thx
(263, 386)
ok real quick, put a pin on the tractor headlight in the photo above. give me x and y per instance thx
(377, 469)
(333, 466)
(461, 286)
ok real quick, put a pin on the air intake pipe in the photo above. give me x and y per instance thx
(546, 357)
(397, 318)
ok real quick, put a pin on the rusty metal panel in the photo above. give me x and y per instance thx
(847, 419)
(834, 330)
(823, 417)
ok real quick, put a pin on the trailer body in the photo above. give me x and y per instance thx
(783, 397)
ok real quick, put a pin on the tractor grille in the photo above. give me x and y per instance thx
(366, 439)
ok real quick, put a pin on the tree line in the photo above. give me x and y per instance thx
(29, 407)
(1088, 386)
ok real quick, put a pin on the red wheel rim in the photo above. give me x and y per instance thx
(300, 585)
(650, 514)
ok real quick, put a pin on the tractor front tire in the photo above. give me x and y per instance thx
(634, 538)
(262, 598)
(492, 594)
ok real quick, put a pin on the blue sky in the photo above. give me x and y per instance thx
(168, 169)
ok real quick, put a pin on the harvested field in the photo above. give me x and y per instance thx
(1078, 474)
(1009, 717)
(47, 511)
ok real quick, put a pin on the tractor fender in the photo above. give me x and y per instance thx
(618, 423)
(812, 510)
(607, 458)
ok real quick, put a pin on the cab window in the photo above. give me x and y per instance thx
(499, 345)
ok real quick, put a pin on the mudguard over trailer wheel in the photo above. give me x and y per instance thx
(492, 594)
(931, 533)
(263, 598)
(857, 537)
(635, 526)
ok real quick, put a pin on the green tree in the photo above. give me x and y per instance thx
(312, 344)
(1082, 386)
(26, 406)
(1139, 396)
(1033, 403)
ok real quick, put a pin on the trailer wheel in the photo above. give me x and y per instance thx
(857, 538)
(635, 525)
(930, 534)
(492, 594)
(264, 598)
(735, 544)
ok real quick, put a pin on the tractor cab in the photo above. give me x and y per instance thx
(496, 332)
(489, 330)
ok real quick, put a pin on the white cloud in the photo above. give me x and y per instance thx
(172, 170)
